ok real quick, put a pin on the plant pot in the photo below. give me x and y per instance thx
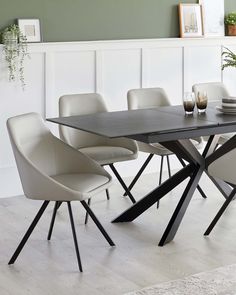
(232, 30)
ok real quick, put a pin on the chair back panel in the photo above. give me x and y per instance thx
(214, 90)
(147, 98)
(32, 141)
(80, 104)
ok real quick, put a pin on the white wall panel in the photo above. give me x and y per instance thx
(201, 64)
(14, 101)
(164, 68)
(121, 71)
(74, 72)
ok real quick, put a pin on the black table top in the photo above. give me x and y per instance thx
(153, 125)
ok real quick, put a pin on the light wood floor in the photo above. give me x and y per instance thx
(48, 268)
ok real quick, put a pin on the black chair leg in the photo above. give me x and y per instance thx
(168, 165)
(29, 232)
(139, 172)
(56, 207)
(87, 215)
(122, 183)
(161, 168)
(96, 221)
(74, 236)
(160, 177)
(220, 212)
(108, 195)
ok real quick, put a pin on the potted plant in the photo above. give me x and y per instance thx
(229, 58)
(15, 51)
(230, 21)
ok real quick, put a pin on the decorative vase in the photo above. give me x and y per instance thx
(232, 30)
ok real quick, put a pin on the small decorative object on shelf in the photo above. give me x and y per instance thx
(15, 51)
(229, 58)
(230, 21)
(30, 28)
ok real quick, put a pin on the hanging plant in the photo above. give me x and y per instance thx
(15, 51)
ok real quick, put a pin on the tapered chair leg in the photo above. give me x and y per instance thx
(220, 212)
(168, 165)
(74, 236)
(161, 168)
(96, 221)
(29, 232)
(87, 215)
(150, 156)
(56, 207)
(160, 177)
(108, 195)
(122, 183)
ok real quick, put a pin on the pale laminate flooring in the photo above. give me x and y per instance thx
(50, 268)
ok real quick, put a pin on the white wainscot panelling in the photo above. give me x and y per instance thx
(229, 76)
(14, 101)
(120, 71)
(74, 72)
(163, 67)
(201, 64)
(110, 68)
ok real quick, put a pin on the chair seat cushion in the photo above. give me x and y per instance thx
(158, 149)
(83, 182)
(108, 154)
(224, 137)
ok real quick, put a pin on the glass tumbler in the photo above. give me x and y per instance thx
(201, 101)
(189, 102)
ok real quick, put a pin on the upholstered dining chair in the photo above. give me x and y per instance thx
(103, 150)
(51, 170)
(221, 165)
(152, 98)
(215, 91)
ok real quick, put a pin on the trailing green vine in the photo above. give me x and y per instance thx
(15, 50)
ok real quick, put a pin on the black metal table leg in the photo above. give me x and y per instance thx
(181, 208)
(146, 202)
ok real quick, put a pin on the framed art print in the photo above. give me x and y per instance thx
(30, 28)
(190, 20)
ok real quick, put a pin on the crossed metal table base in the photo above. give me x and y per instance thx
(196, 164)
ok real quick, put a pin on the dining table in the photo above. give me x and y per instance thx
(173, 129)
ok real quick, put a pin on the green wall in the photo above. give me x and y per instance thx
(76, 20)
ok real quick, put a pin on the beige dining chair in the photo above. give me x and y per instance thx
(143, 98)
(51, 170)
(103, 150)
(215, 92)
(221, 165)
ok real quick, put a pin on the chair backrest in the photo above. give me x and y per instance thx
(147, 98)
(34, 144)
(214, 90)
(80, 104)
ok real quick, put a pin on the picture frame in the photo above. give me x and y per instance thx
(213, 17)
(30, 28)
(190, 20)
